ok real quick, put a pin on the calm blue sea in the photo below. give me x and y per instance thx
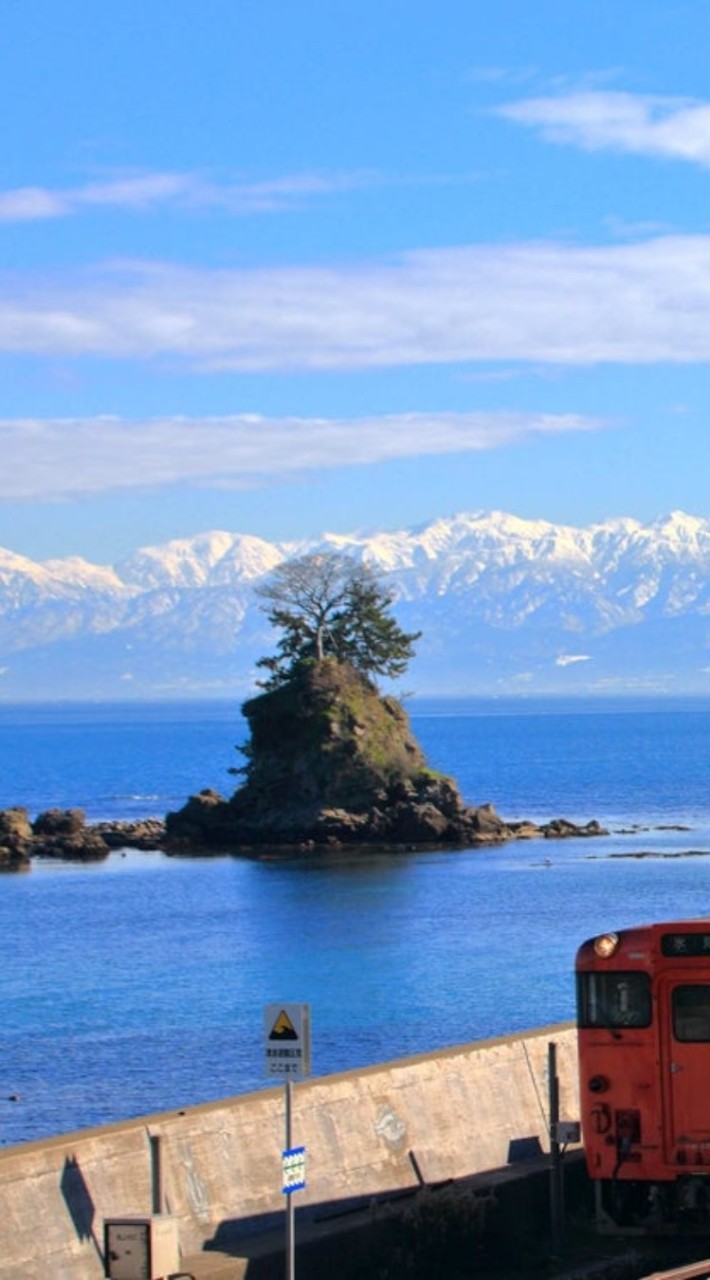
(139, 984)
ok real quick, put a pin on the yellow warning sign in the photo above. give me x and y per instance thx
(287, 1040)
(283, 1028)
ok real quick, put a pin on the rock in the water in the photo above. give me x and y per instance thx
(330, 762)
(63, 833)
(15, 832)
(59, 822)
(79, 846)
(143, 833)
(15, 826)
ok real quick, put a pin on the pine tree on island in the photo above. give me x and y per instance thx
(327, 605)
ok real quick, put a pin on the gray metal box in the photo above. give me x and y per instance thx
(566, 1131)
(140, 1248)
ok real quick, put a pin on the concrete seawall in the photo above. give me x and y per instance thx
(216, 1168)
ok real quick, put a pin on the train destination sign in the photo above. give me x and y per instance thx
(685, 945)
(287, 1041)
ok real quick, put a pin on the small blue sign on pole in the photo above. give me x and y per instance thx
(293, 1169)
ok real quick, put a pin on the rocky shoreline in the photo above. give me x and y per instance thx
(65, 835)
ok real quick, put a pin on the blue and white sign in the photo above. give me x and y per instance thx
(293, 1169)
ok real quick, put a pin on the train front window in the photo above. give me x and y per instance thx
(618, 999)
(691, 1013)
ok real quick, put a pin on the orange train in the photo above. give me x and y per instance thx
(643, 1000)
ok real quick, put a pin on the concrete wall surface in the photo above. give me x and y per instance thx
(367, 1132)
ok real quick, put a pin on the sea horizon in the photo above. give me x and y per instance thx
(425, 703)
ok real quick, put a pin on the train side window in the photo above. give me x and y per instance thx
(619, 999)
(691, 1013)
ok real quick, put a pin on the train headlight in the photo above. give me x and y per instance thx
(606, 945)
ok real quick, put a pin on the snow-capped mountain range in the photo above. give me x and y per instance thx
(506, 606)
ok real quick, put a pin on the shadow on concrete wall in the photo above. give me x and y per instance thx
(247, 1236)
(411, 1229)
(80, 1205)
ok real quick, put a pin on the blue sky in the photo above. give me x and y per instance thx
(282, 269)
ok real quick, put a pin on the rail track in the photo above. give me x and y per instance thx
(689, 1271)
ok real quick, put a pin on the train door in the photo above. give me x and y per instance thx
(685, 1068)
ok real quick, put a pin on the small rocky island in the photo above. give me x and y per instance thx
(330, 764)
(330, 761)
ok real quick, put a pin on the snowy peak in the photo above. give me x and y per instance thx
(504, 604)
(458, 549)
(682, 535)
(77, 572)
(208, 558)
(21, 578)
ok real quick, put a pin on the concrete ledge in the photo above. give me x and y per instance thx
(380, 1131)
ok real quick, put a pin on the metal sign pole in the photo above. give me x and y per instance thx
(290, 1212)
(556, 1208)
(287, 1044)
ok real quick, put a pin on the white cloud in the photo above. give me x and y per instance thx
(27, 204)
(630, 303)
(59, 458)
(32, 204)
(631, 123)
(149, 191)
(569, 659)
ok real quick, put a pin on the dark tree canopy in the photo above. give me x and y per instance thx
(327, 605)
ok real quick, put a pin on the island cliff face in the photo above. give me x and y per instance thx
(330, 762)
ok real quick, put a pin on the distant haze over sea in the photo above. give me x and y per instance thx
(507, 607)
